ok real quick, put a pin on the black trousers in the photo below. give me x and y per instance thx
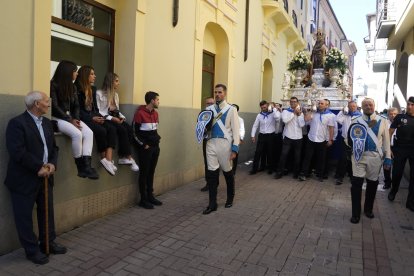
(213, 183)
(105, 135)
(278, 142)
(344, 163)
(235, 162)
(401, 154)
(124, 133)
(320, 150)
(288, 144)
(22, 210)
(264, 152)
(147, 159)
(356, 194)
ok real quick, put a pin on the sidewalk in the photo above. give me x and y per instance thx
(276, 227)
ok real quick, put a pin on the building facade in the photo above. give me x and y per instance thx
(179, 49)
(395, 22)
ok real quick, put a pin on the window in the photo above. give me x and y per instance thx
(323, 26)
(208, 76)
(83, 31)
(301, 31)
(295, 19)
(286, 5)
(301, 4)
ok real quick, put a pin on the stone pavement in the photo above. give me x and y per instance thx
(276, 227)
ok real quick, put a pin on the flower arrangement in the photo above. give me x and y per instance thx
(300, 61)
(336, 59)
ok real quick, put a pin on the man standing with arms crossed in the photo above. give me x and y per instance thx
(222, 147)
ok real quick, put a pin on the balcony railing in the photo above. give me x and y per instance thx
(386, 18)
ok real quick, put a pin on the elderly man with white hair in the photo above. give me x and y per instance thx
(369, 137)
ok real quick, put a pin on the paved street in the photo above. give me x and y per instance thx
(276, 227)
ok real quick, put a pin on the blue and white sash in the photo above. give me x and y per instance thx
(358, 134)
(204, 118)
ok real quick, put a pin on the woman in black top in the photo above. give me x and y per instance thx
(65, 111)
(105, 133)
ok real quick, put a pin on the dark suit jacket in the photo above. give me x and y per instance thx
(25, 148)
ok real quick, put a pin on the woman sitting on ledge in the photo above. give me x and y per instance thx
(65, 111)
(108, 105)
(105, 133)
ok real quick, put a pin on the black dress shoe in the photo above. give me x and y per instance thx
(252, 172)
(54, 248)
(269, 172)
(38, 258)
(154, 201)
(208, 210)
(339, 181)
(386, 186)
(261, 169)
(228, 205)
(391, 196)
(204, 189)
(145, 205)
(354, 220)
(369, 215)
(320, 179)
(278, 175)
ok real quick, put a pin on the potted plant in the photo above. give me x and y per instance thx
(335, 62)
(298, 65)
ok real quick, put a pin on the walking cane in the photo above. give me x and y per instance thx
(46, 183)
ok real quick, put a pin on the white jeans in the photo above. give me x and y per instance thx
(82, 139)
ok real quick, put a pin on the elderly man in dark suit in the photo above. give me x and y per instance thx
(33, 156)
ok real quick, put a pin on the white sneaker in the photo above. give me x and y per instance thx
(113, 166)
(134, 166)
(125, 161)
(108, 166)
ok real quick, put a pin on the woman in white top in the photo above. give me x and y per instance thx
(108, 104)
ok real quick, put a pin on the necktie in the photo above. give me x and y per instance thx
(42, 135)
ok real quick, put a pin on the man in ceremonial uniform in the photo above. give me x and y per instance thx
(208, 101)
(292, 136)
(344, 118)
(403, 149)
(266, 123)
(369, 137)
(222, 147)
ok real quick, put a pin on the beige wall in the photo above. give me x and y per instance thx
(149, 55)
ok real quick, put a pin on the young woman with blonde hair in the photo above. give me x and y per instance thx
(108, 103)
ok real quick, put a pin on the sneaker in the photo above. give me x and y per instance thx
(113, 166)
(125, 161)
(108, 166)
(134, 166)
